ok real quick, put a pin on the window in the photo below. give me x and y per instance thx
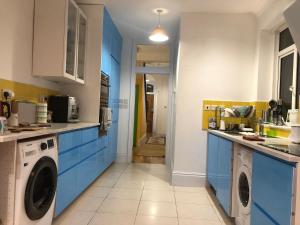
(288, 80)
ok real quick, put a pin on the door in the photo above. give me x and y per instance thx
(150, 112)
(212, 160)
(272, 189)
(71, 39)
(82, 38)
(224, 174)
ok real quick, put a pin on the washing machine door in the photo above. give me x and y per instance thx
(41, 188)
(244, 190)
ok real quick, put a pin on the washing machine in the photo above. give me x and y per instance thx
(36, 181)
(242, 185)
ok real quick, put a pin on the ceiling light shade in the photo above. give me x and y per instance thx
(159, 34)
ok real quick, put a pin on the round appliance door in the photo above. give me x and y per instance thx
(41, 188)
(244, 189)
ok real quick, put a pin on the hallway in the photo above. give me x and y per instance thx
(140, 194)
(153, 151)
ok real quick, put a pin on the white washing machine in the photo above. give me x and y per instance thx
(242, 185)
(36, 181)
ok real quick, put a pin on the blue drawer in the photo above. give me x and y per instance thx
(66, 190)
(69, 140)
(68, 159)
(102, 142)
(87, 172)
(90, 134)
(88, 149)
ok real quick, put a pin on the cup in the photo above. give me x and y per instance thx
(3, 125)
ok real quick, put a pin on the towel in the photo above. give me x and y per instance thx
(106, 119)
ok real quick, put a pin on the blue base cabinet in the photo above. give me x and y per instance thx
(219, 169)
(272, 191)
(81, 161)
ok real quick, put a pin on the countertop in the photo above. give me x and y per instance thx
(254, 145)
(54, 129)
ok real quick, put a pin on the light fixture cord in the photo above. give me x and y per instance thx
(158, 18)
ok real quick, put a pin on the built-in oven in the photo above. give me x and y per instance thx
(105, 112)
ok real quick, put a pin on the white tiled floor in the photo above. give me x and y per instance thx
(140, 194)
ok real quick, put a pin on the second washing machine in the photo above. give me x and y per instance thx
(241, 195)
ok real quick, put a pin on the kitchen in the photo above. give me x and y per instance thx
(222, 56)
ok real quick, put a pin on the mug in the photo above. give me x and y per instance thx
(3, 125)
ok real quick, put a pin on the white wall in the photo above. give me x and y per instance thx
(217, 58)
(161, 84)
(126, 112)
(16, 22)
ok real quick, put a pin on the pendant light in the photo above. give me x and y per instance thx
(159, 34)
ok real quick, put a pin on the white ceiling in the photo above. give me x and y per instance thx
(136, 19)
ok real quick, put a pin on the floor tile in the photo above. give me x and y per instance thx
(119, 206)
(198, 222)
(190, 189)
(158, 185)
(194, 198)
(112, 219)
(194, 211)
(164, 209)
(105, 182)
(125, 193)
(158, 196)
(97, 192)
(154, 220)
(86, 203)
(75, 218)
(130, 184)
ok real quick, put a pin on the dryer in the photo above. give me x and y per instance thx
(242, 185)
(36, 181)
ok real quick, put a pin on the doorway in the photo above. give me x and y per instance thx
(151, 105)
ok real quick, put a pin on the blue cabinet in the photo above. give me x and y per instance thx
(225, 174)
(272, 190)
(80, 161)
(111, 43)
(212, 160)
(111, 60)
(219, 169)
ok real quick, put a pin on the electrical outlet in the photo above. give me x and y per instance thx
(7, 93)
(206, 107)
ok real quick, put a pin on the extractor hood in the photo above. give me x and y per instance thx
(292, 16)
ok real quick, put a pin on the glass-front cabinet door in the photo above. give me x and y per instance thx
(82, 37)
(71, 39)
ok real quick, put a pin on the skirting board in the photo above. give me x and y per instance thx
(188, 179)
(122, 158)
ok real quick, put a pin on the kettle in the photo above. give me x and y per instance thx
(2, 109)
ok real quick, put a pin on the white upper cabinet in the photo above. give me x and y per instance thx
(292, 16)
(59, 46)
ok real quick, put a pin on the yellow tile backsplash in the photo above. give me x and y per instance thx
(26, 92)
(259, 106)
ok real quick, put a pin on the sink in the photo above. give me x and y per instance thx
(234, 133)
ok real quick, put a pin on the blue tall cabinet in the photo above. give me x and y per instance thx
(110, 66)
(219, 169)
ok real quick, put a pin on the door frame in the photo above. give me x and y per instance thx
(171, 100)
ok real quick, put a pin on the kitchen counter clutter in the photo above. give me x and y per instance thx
(54, 129)
(255, 145)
